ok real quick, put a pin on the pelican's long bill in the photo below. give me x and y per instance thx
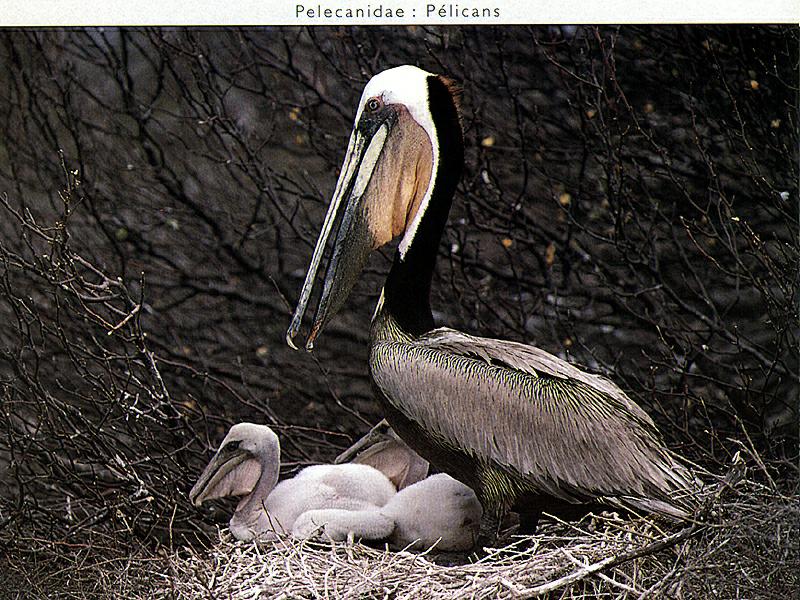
(385, 176)
(232, 472)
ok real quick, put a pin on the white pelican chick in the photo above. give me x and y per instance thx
(247, 465)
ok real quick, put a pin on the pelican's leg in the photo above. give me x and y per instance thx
(489, 529)
(528, 522)
(496, 492)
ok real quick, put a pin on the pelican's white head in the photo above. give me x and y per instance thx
(249, 456)
(386, 182)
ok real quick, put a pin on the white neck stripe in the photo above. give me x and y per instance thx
(407, 85)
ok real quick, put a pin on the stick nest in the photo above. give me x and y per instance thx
(747, 548)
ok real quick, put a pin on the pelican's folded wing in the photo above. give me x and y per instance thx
(570, 434)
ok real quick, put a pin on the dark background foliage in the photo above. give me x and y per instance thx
(629, 202)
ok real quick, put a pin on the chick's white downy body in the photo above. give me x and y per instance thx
(438, 510)
(247, 465)
(346, 487)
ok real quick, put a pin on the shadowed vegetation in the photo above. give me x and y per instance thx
(629, 202)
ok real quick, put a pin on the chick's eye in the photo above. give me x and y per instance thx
(373, 104)
(231, 446)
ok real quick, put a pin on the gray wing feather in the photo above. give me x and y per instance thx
(527, 359)
(573, 435)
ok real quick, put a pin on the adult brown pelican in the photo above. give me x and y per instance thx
(523, 428)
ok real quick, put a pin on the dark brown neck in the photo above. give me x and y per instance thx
(408, 286)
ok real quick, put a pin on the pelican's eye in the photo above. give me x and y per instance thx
(231, 446)
(373, 104)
